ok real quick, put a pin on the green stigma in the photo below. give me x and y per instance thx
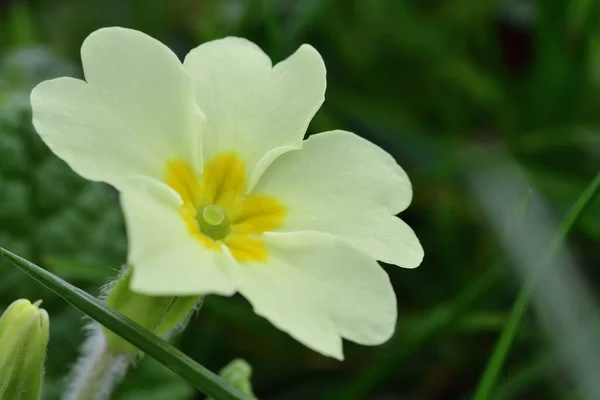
(213, 222)
(213, 215)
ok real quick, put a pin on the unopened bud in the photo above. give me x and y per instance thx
(238, 373)
(24, 332)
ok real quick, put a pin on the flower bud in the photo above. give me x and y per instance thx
(238, 373)
(24, 332)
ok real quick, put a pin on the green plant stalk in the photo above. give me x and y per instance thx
(96, 378)
(494, 366)
(521, 379)
(161, 350)
(102, 369)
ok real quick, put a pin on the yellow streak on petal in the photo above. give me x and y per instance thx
(245, 248)
(181, 177)
(224, 180)
(223, 184)
(256, 214)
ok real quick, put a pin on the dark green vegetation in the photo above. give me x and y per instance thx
(460, 92)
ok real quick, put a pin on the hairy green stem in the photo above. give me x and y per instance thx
(99, 370)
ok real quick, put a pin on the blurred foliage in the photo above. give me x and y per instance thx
(444, 85)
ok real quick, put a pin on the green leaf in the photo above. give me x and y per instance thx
(161, 350)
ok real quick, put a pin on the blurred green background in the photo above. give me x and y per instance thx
(444, 85)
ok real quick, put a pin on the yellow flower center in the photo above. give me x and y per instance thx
(216, 209)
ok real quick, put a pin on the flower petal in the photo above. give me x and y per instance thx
(344, 185)
(136, 111)
(318, 289)
(252, 108)
(166, 258)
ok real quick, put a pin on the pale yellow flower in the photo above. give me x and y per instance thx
(219, 190)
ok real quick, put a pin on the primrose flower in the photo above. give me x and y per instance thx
(221, 194)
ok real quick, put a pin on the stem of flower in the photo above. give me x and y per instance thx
(98, 369)
(105, 356)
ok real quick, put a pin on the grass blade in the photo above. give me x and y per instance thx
(159, 349)
(494, 366)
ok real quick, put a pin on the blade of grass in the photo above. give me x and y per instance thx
(303, 15)
(524, 378)
(494, 366)
(580, 17)
(21, 25)
(159, 349)
(274, 37)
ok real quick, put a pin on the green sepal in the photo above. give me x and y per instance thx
(159, 314)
